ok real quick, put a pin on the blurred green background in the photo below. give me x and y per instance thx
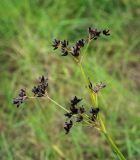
(35, 130)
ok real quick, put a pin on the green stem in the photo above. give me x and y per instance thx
(92, 96)
(57, 104)
(53, 101)
(114, 147)
(85, 51)
(103, 128)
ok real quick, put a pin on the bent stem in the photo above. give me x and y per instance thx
(102, 125)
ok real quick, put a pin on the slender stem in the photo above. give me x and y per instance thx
(96, 97)
(57, 104)
(47, 96)
(103, 128)
(60, 153)
(114, 147)
(85, 51)
(92, 96)
(86, 120)
(53, 101)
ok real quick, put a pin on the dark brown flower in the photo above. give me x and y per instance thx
(73, 110)
(80, 43)
(21, 98)
(106, 32)
(94, 112)
(64, 51)
(68, 126)
(41, 89)
(69, 115)
(82, 110)
(93, 33)
(64, 44)
(75, 101)
(75, 51)
(56, 44)
(97, 87)
(79, 118)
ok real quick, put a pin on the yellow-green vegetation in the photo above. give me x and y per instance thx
(35, 130)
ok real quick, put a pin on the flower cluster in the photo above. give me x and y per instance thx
(76, 49)
(97, 87)
(41, 89)
(21, 98)
(63, 45)
(106, 32)
(56, 44)
(76, 114)
(94, 113)
(68, 126)
(93, 34)
(73, 107)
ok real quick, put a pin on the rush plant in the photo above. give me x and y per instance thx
(76, 113)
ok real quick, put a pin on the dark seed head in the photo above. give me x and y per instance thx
(41, 89)
(90, 84)
(17, 101)
(80, 43)
(56, 44)
(94, 110)
(69, 115)
(21, 98)
(93, 33)
(79, 118)
(75, 101)
(106, 32)
(65, 53)
(75, 51)
(73, 110)
(22, 93)
(64, 44)
(43, 79)
(98, 87)
(68, 126)
(82, 110)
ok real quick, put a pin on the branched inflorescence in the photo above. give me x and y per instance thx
(20, 98)
(41, 88)
(97, 87)
(76, 113)
(79, 114)
(39, 91)
(93, 34)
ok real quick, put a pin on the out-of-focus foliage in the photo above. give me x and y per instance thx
(35, 130)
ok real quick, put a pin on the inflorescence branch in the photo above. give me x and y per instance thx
(77, 112)
(75, 51)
